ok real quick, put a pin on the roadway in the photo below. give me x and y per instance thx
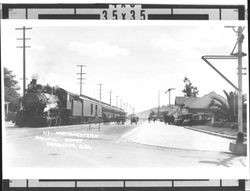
(146, 145)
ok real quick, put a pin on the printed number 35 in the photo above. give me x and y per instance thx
(132, 12)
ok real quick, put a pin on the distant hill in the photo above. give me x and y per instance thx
(145, 114)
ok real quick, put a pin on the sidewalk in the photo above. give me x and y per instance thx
(163, 135)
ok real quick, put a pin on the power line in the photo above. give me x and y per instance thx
(24, 53)
(169, 90)
(81, 78)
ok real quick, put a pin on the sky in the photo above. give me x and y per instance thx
(135, 60)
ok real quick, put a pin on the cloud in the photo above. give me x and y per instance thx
(178, 43)
(203, 40)
(98, 50)
(163, 42)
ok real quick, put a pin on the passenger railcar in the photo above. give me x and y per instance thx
(43, 106)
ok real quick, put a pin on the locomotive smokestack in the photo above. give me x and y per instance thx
(34, 81)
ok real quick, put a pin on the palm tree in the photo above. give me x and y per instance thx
(227, 110)
(189, 90)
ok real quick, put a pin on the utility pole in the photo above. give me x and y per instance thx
(24, 53)
(235, 101)
(110, 97)
(100, 92)
(81, 78)
(239, 148)
(239, 54)
(169, 90)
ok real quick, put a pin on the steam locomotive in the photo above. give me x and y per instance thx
(46, 106)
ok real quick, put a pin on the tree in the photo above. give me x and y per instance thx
(189, 90)
(11, 85)
(229, 110)
(10, 88)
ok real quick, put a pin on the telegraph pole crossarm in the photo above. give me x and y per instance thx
(81, 78)
(23, 38)
(21, 28)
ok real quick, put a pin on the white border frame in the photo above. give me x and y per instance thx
(122, 173)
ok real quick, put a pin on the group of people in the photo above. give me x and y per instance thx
(134, 119)
(152, 118)
(118, 119)
(168, 119)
